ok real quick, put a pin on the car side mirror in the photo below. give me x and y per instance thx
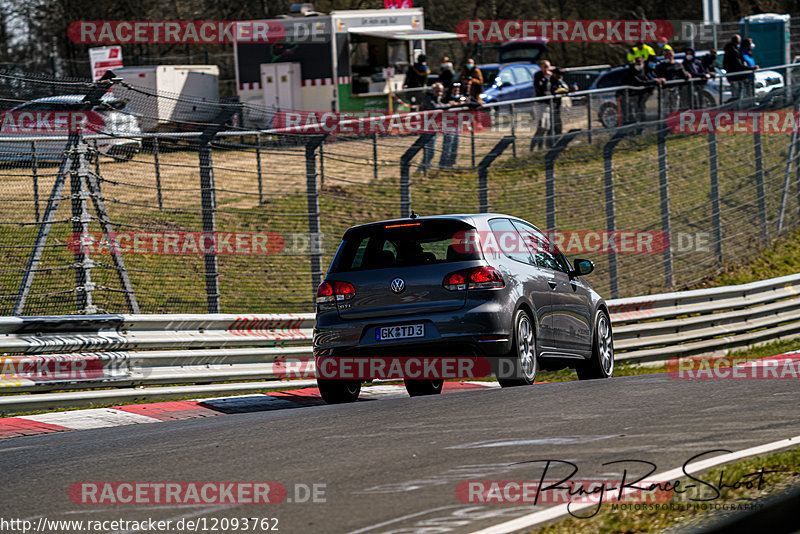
(506, 84)
(582, 268)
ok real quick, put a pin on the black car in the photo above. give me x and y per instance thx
(484, 285)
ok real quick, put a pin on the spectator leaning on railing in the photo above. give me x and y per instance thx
(698, 73)
(471, 80)
(671, 70)
(736, 67)
(747, 56)
(559, 89)
(542, 86)
(638, 75)
(431, 101)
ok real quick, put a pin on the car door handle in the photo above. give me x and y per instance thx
(552, 283)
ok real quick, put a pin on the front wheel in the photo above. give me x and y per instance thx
(339, 391)
(609, 115)
(520, 366)
(418, 388)
(602, 363)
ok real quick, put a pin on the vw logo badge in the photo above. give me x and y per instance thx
(398, 285)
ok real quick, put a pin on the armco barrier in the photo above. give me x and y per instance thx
(82, 352)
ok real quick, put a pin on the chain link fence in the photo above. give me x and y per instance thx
(194, 215)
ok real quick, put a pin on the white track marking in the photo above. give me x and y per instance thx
(560, 510)
(92, 418)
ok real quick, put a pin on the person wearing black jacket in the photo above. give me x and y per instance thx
(698, 75)
(542, 86)
(671, 70)
(734, 64)
(639, 75)
(417, 74)
(446, 76)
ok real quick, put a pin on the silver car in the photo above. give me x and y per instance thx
(485, 285)
(119, 135)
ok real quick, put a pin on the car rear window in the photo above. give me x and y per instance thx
(403, 244)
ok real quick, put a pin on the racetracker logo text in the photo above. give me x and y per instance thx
(781, 367)
(50, 122)
(193, 243)
(568, 242)
(330, 122)
(189, 31)
(390, 368)
(705, 122)
(560, 491)
(564, 31)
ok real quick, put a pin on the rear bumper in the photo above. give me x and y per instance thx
(452, 333)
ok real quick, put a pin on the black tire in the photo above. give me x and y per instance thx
(602, 363)
(419, 388)
(707, 100)
(339, 391)
(520, 365)
(609, 115)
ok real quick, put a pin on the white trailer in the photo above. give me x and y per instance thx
(174, 97)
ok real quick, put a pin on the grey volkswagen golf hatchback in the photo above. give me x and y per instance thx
(484, 285)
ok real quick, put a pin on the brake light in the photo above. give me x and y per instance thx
(476, 278)
(335, 291)
(324, 293)
(454, 282)
(344, 290)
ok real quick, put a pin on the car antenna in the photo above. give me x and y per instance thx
(414, 214)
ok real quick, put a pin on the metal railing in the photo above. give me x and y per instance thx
(82, 352)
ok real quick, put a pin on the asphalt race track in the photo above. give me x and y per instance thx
(393, 465)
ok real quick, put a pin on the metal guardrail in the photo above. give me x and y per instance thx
(101, 351)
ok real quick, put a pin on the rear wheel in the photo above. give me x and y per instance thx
(520, 366)
(418, 388)
(602, 363)
(339, 391)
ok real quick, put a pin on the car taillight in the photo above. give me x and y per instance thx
(455, 282)
(476, 278)
(344, 290)
(324, 293)
(335, 291)
(485, 278)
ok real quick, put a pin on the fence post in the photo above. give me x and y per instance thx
(611, 217)
(158, 172)
(93, 182)
(80, 227)
(312, 198)
(258, 170)
(786, 177)
(472, 142)
(550, 181)
(589, 116)
(208, 200)
(760, 191)
(322, 164)
(405, 172)
(35, 165)
(375, 156)
(513, 132)
(67, 161)
(483, 172)
(716, 221)
(663, 185)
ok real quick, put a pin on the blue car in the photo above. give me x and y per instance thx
(509, 81)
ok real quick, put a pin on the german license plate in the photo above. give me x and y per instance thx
(388, 333)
